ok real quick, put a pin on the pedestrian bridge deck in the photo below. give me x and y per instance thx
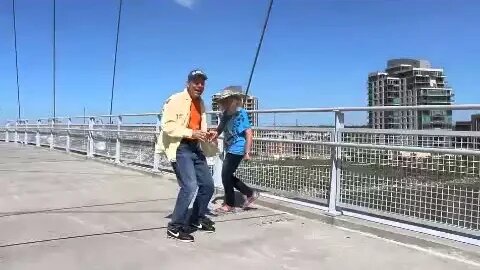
(60, 211)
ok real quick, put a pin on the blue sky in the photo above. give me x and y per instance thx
(316, 53)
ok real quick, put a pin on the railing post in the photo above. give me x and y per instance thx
(90, 149)
(7, 139)
(118, 146)
(25, 135)
(156, 156)
(217, 166)
(69, 142)
(336, 161)
(37, 135)
(16, 132)
(52, 127)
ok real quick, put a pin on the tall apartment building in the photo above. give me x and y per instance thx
(250, 103)
(409, 82)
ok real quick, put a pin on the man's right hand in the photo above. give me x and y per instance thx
(199, 135)
(212, 136)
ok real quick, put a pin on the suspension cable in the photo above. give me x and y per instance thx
(115, 58)
(54, 61)
(16, 58)
(258, 49)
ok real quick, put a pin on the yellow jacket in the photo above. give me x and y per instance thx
(174, 126)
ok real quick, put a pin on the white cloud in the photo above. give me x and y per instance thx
(186, 3)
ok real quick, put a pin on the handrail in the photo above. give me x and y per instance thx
(374, 108)
(431, 150)
(298, 110)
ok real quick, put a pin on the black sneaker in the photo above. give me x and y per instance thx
(189, 229)
(179, 235)
(204, 226)
(208, 221)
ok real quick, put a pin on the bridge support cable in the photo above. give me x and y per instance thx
(115, 58)
(258, 48)
(19, 116)
(54, 60)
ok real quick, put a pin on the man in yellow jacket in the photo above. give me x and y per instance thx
(185, 141)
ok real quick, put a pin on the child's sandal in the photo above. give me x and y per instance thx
(225, 209)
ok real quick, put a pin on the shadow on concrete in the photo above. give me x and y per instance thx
(122, 232)
(68, 173)
(36, 161)
(80, 236)
(62, 210)
(92, 212)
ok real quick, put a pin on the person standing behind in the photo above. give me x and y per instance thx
(235, 125)
(184, 140)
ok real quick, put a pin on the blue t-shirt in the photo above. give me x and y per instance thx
(234, 132)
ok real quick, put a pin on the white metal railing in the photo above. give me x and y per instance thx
(430, 178)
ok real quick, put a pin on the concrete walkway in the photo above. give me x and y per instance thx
(60, 211)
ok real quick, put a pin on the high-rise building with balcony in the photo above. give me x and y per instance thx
(409, 82)
(250, 103)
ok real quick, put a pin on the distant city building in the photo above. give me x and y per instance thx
(409, 82)
(467, 142)
(472, 125)
(250, 103)
(463, 126)
(475, 122)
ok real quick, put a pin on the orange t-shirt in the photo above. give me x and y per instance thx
(195, 115)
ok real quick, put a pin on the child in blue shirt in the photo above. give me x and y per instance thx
(235, 125)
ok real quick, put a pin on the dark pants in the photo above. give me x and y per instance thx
(192, 172)
(230, 181)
